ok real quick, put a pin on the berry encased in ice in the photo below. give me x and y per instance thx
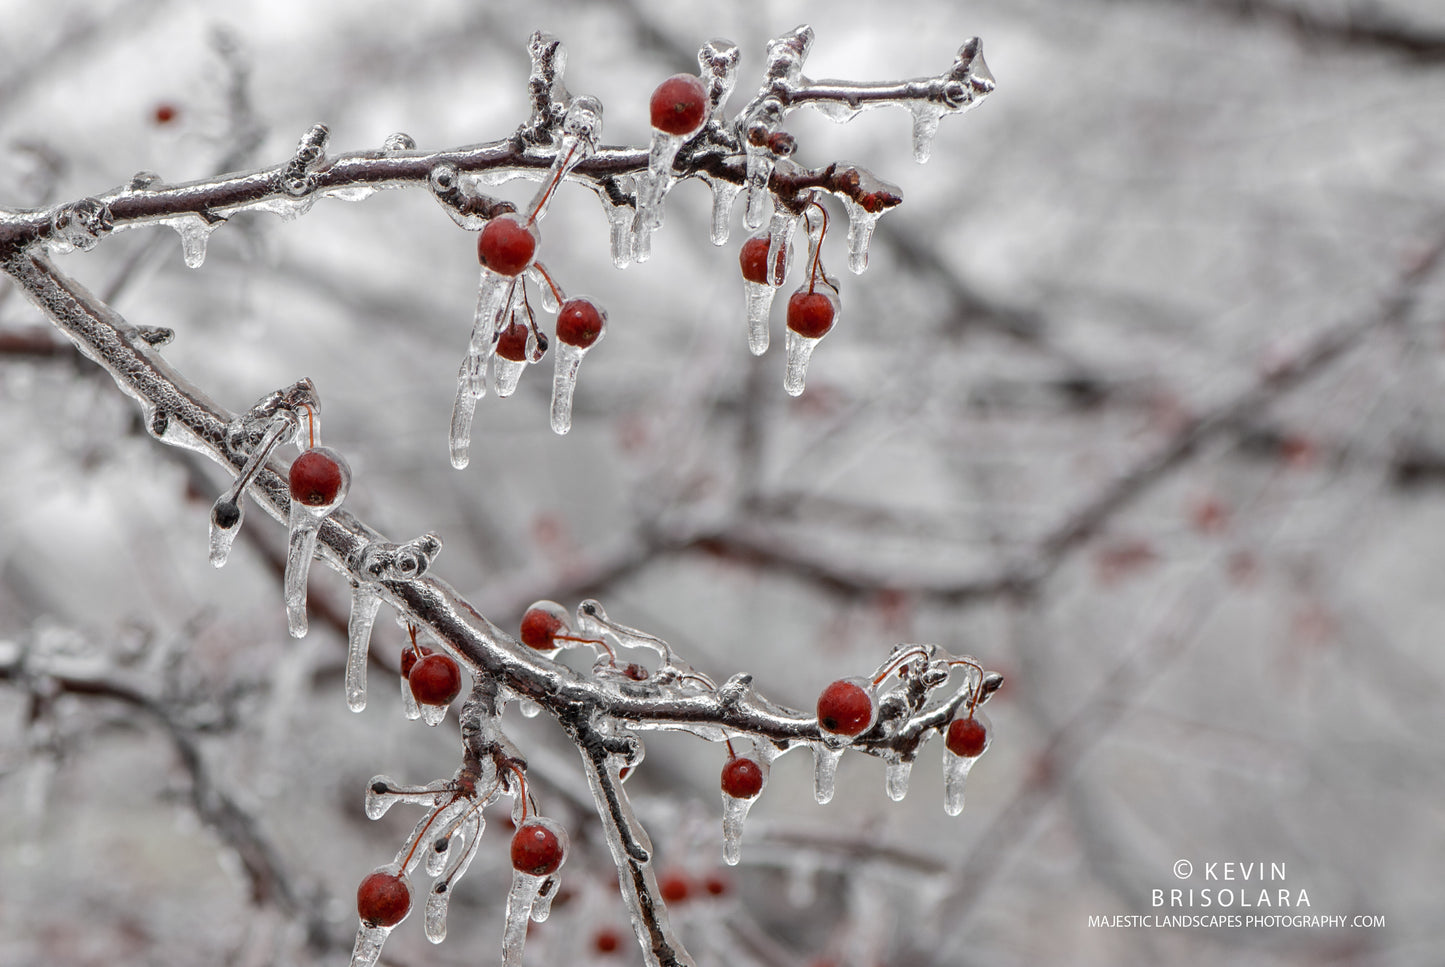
(679, 105)
(506, 245)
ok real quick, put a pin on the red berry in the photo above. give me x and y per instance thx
(754, 260)
(967, 737)
(635, 671)
(846, 708)
(383, 899)
(716, 884)
(674, 887)
(165, 113)
(409, 658)
(679, 105)
(606, 940)
(538, 847)
(579, 323)
(810, 313)
(540, 629)
(506, 246)
(319, 477)
(742, 778)
(513, 343)
(435, 680)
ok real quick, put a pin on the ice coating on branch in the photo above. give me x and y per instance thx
(655, 185)
(80, 225)
(529, 708)
(717, 62)
(581, 127)
(617, 196)
(400, 141)
(799, 351)
(520, 899)
(760, 170)
(825, 771)
(869, 197)
(895, 778)
(925, 127)
(365, 602)
(564, 385)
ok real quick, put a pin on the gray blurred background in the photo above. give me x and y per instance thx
(1138, 402)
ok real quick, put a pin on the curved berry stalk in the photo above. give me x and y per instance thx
(812, 309)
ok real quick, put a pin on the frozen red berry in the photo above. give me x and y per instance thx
(967, 737)
(742, 778)
(579, 323)
(540, 629)
(383, 899)
(846, 707)
(410, 655)
(435, 680)
(810, 313)
(606, 940)
(538, 847)
(165, 113)
(753, 258)
(506, 245)
(512, 344)
(319, 477)
(679, 105)
(716, 885)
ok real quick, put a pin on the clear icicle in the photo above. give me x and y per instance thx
(825, 772)
(781, 229)
(800, 350)
(724, 195)
(660, 156)
(432, 715)
(365, 601)
(300, 549)
(382, 792)
(955, 773)
(926, 116)
(860, 232)
(622, 219)
(520, 898)
(369, 941)
(760, 303)
(735, 812)
(493, 302)
(409, 705)
(564, 384)
(194, 232)
(462, 411)
(542, 907)
(760, 171)
(895, 778)
(506, 373)
(580, 129)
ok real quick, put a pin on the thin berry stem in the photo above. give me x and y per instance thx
(557, 180)
(818, 248)
(547, 276)
(422, 835)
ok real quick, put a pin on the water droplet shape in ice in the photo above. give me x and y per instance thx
(400, 141)
(229, 510)
(80, 225)
(895, 778)
(825, 771)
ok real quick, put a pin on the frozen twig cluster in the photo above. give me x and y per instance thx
(889, 713)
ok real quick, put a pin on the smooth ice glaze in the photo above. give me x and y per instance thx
(724, 195)
(895, 778)
(799, 351)
(825, 771)
(759, 297)
(860, 232)
(760, 171)
(735, 812)
(460, 438)
(520, 898)
(564, 384)
(955, 773)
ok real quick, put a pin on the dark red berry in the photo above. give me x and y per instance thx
(540, 629)
(383, 899)
(679, 105)
(435, 680)
(782, 143)
(742, 778)
(635, 671)
(512, 344)
(967, 737)
(506, 246)
(409, 658)
(606, 940)
(754, 260)
(318, 477)
(674, 886)
(165, 113)
(845, 708)
(538, 848)
(810, 313)
(716, 885)
(579, 323)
